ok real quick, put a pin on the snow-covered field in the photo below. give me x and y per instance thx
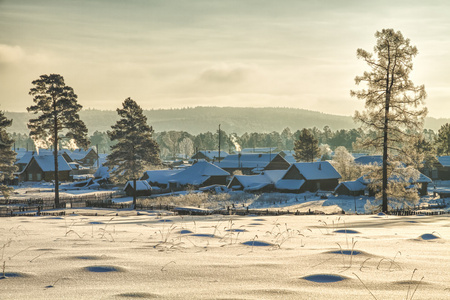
(125, 255)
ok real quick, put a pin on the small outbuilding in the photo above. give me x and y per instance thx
(350, 188)
(142, 188)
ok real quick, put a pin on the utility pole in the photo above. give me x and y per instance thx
(219, 143)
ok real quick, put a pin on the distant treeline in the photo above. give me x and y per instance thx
(181, 144)
(203, 119)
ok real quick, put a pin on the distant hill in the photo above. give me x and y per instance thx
(232, 119)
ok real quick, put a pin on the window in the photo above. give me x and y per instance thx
(30, 177)
(38, 176)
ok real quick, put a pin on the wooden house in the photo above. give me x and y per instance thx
(309, 176)
(42, 167)
(86, 158)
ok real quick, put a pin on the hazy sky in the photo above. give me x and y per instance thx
(164, 53)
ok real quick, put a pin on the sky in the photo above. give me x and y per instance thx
(187, 53)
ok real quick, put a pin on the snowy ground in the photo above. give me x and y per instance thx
(126, 256)
(292, 202)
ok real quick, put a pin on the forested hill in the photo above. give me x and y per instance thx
(232, 119)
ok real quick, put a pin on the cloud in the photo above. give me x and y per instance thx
(16, 55)
(11, 54)
(226, 73)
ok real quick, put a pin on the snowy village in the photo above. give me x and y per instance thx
(224, 150)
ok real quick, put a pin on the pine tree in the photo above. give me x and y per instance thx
(135, 150)
(7, 156)
(393, 103)
(442, 141)
(58, 108)
(306, 147)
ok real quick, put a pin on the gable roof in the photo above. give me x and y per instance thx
(141, 185)
(79, 154)
(212, 154)
(47, 163)
(248, 161)
(444, 160)
(316, 170)
(352, 186)
(198, 173)
(289, 184)
(256, 182)
(160, 176)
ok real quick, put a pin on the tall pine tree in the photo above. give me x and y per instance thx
(306, 147)
(135, 150)
(393, 105)
(58, 117)
(7, 156)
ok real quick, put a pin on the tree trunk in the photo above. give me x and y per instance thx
(55, 153)
(385, 154)
(134, 193)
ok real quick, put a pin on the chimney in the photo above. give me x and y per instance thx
(320, 166)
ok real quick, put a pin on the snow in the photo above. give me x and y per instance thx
(213, 154)
(198, 173)
(257, 182)
(353, 185)
(47, 163)
(159, 255)
(317, 170)
(289, 184)
(369, 159)
(160, 176)
(248, 161)
(141, 185)
(444, 160)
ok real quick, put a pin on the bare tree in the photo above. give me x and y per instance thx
(393, 103)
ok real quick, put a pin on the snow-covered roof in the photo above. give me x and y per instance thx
(249, 161)
(47, 163)
(160, 176)
(317, 170)
(78, 154)
(444, 160)
(289, 184)
(290, 158)
(256, 182)
(369, 159)
(259, 150)
(141, 185)
(213, 154)
(198, 173)
(353, 186)
(25, 158)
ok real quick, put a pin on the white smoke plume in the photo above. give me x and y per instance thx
(233, 139)
(70, 144)
(40, 143)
